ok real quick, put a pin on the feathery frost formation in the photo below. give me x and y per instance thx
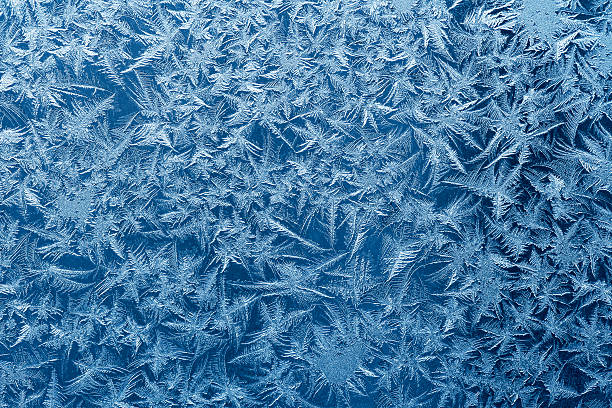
(303, 203)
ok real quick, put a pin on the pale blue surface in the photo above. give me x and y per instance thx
(305, 204)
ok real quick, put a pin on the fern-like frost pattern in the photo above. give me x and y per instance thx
(305, 204)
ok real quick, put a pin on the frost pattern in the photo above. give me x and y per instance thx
(286, 203)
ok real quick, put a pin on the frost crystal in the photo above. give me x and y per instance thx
(307, 204)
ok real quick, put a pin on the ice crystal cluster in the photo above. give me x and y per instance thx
(305, 203)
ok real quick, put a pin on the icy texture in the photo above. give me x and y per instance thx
(310, 204)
